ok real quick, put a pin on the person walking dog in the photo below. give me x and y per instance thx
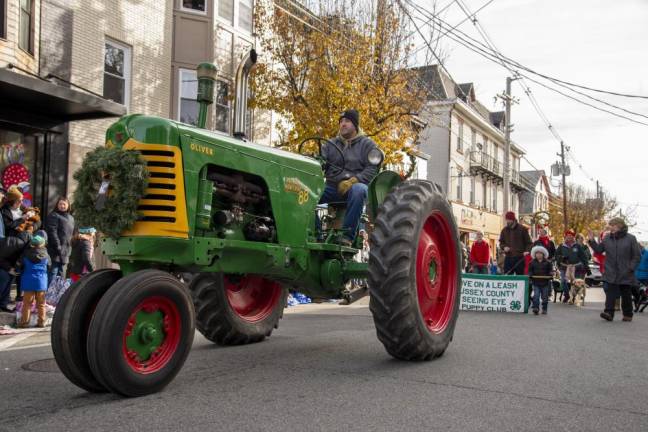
(516, 243)
(622, 255)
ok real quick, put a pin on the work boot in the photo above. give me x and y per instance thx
(535, 311)
(606, 316)
(627, 318)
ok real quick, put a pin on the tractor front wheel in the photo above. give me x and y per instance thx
(237, 310)
(415, 272)
(141, 333)
(70, 326)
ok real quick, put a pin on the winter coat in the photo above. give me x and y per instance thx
(480, 253)
(642, 270)
(622, 255)
(548, 244)
(573, 254)
(355, 162)
(517, 238)
(35, 263)
(59, 227)
(11, 248)
(540, 268)
(11, 225)
(81, 257)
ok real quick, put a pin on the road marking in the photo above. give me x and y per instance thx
(27, 347)
(14, 340)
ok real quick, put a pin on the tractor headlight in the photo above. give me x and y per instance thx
(375, 157)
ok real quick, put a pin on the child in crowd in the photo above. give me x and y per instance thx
(34, 269)
(540, 273)
(82, 259)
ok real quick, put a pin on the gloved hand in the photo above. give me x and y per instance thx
(345, 185)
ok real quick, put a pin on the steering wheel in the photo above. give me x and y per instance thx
(334, 169)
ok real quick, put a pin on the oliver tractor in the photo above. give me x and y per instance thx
(224, 228)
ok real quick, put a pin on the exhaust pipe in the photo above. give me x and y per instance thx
(241, 99)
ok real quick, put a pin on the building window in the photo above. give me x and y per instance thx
(494, 193)
(117, 61)
(484, 201)
(224, 52)
(222, 106)
(459, 185)
(26, 36)
(188, 106)
(226, 10)
(473, 190)
(3, 20)
(245, 15)
(473, 139)
(196, 6)
(460, 137)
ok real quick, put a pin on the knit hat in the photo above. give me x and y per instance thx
(87, 230)
(42, 234)
(353, 116)
(540, 249)
(570, 232)
(510, 215)
(14, 194)
(38, 241)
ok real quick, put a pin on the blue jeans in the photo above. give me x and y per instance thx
(5, 288)
(479, 269)
(355, 200)
(56, 270)
(540, 292)
(565, 285)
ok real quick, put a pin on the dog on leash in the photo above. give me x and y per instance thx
(577, 292)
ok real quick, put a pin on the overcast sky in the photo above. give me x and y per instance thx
(597, 43)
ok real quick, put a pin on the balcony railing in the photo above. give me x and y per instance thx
(487, 163)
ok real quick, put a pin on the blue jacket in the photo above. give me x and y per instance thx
(642, 269)
(34, 270)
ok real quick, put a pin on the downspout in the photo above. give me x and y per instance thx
(241, 96)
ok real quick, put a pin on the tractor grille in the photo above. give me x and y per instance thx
(162, 210)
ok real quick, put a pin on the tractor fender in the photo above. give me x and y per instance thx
(378, 190)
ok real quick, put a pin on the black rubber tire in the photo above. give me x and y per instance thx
(392, 271)
(70, 327)
(105, 338)
(219, 323)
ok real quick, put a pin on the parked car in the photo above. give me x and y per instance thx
(596, 278)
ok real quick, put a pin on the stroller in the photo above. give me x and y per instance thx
(641, 297)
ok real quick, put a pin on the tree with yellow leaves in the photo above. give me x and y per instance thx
(315, 66)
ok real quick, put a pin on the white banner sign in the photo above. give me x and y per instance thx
(494, 293)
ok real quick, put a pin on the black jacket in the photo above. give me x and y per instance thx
(81, 256)
(59, 227)
(540, 268)
(355, 162)
(517, 238)
(573, 255)
(10, 224)
(11, 249)
(622, 256)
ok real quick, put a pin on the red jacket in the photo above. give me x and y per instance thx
(480, 253)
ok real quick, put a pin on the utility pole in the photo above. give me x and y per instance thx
(507, 146)
(598, 190)
(563, 170)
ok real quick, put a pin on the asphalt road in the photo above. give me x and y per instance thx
(324, 369)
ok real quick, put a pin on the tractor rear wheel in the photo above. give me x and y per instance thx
(70, 326)
(237, 310)
(141, 333)
(415, 272)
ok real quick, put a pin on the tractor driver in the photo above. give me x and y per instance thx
(347, 180)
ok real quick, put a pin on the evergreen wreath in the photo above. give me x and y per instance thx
(126, 171)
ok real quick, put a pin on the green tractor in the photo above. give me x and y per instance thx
(225, 227)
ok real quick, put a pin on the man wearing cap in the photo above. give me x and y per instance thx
(515, 242)
(349, 171)
(572, 262)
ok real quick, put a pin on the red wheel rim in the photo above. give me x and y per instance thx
(436, 273)
(152, 335)
(252, 298)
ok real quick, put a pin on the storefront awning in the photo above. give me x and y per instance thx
(30, 101)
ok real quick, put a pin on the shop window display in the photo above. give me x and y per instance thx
(17, 153)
